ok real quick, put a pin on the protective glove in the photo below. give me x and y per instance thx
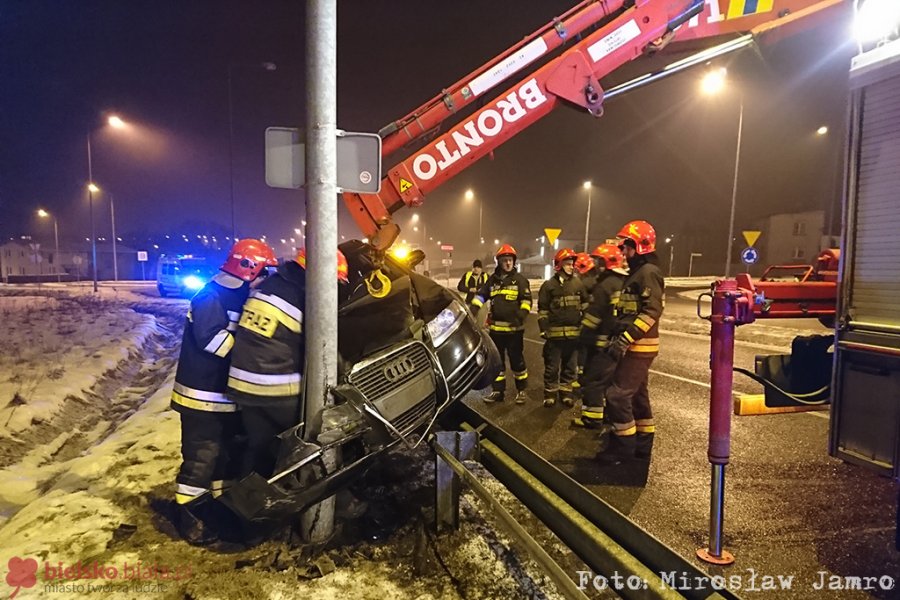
(545, 335)
(618, 347)
(523, 314)
(586, 337)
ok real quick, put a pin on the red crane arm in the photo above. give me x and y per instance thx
(627, 30)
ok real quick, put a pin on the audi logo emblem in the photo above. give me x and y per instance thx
(398, 369)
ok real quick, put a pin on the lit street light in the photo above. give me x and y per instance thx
(117, 123)
(587, 221)
(44, 214)
(470, 195)
(822, 130)
(266, 66)
(671, 253)
(713, 83)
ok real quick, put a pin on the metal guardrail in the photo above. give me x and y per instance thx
(604, 539)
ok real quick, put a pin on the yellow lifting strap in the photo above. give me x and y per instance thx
(378, 284)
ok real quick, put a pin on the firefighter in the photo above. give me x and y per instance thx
(560, 302)
(268, 358)
(596, 327)
(586, 269)
(471, 282)
(635, 346)
(210, 424)
(510, 296)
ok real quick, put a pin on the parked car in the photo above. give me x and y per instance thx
(408, 349)
(182, 275)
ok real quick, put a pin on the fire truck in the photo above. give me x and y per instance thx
(563, 63)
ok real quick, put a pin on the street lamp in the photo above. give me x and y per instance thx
(671, 253)
(469, 196)
(266, 66)
(44, 214)
(587, 221)
(713, 83)
(117, 123)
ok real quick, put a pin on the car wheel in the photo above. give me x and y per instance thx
(162, 290)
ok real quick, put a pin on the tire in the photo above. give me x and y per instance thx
(162, 290)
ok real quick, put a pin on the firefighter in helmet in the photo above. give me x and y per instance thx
(510, 296)
(560, 302)
(635, 345)
(586, 269)
(268, 359)
(597, 326)
(210, 424)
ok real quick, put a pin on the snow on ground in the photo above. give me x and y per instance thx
(95, 494)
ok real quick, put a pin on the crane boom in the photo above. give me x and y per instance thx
(612, 33)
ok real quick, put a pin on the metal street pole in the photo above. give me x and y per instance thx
(56, 262)
(691, 262)
(231, 152)
(112, 215)
(671, 257)
(737, 166)
(480, 215)
(320, 321)
(587, 220)
(91, 205)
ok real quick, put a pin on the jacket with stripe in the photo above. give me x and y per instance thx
(641, 304)
(599, 320)
(560, 302)
(202, 373)
(471, 281)
(510, 296)
(268, 355)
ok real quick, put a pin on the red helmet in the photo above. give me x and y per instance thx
(343, 269)
(584, 263)
(611, 257)
(506, 250)
(642, 234)
(247, 258)
(561, 255)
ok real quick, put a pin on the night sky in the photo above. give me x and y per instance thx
(663, 153)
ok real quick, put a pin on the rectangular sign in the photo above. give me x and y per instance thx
(447, 247)
(142, 256)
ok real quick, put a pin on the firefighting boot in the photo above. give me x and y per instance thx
(620, 450)
(643, 446)
(521, 397)
(191, 526)
(549, 399)
(568, 401)
(494, 396)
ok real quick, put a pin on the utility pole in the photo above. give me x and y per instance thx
(112, 215)
(320, 322)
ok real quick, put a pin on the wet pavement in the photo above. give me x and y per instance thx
(790, 508)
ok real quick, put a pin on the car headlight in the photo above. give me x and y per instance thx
(447, 321)
(192, 282)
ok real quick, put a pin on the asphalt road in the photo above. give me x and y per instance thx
(790, 508)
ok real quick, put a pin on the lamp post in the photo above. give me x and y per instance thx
(713, 83)
(266, 66)
(691, 262)
(671, 253)
(112, 216)
(470, 195)
(587, 221)
(44, 214)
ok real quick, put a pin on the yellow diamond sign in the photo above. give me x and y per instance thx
(552, 234)
(751, 236)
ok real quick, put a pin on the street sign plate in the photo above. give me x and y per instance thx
(142, 256)
(552, 234)
(749, 255)
(446, 262)
(447, 247)
(751, 236)
(358, 160)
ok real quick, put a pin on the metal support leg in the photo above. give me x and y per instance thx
(463, 445)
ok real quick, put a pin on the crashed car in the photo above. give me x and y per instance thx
(408, 349)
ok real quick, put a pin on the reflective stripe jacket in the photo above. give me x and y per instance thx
(268, 355)
(200, 380)
(599, 320)
(560, 302)
(641, 305)
(510, 296)
(471, 281)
